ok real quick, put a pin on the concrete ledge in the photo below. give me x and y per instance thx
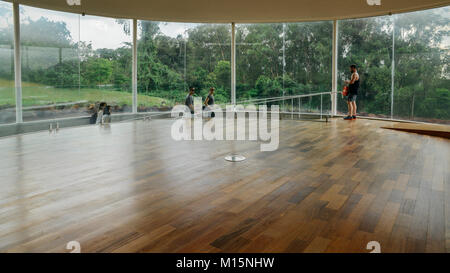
(42, 125)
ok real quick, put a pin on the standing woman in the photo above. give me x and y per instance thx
(210, 100)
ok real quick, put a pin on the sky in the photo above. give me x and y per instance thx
(101, 31)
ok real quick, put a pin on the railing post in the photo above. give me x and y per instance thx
(17, 63)
(334, 68)
(299, 107)
(320, 106)
(292, 108)
(393, 67)
(134, 68)
(233, 64)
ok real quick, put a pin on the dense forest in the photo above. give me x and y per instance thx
(272, 60)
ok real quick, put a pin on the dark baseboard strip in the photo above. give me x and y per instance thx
(442, 134)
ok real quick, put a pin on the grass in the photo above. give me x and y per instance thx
(37, 94)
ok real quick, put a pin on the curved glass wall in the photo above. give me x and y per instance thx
(70, 63)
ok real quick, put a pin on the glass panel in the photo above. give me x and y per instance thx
(50, 64)
(308, 57)
(422, 76)
(7, 92)
(259, 61)
(208, 60)
(367, 43)
(276, 60)
(308, 63)
(106, 62)
(174, 56)
(71, 63)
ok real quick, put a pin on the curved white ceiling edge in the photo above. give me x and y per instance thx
(239, 11)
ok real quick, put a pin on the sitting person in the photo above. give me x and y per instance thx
(101, 109)
(106, 114)
(189, 101)
(92, 109)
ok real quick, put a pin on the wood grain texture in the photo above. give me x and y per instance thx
(330, 187)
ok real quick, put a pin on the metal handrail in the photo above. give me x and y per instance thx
(286, 97)
(292, 98)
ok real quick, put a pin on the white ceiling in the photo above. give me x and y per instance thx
(239, 11)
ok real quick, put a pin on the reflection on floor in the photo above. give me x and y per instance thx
(330, 187)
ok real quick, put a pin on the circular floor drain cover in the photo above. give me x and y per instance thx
(235, 158)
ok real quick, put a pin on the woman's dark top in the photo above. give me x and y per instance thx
(210, 99)
(189, 100)
(107, 110)
(93, 118)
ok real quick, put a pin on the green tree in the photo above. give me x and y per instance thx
(97, 71)
(222, 72)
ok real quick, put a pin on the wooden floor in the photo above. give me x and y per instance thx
(330, 187)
